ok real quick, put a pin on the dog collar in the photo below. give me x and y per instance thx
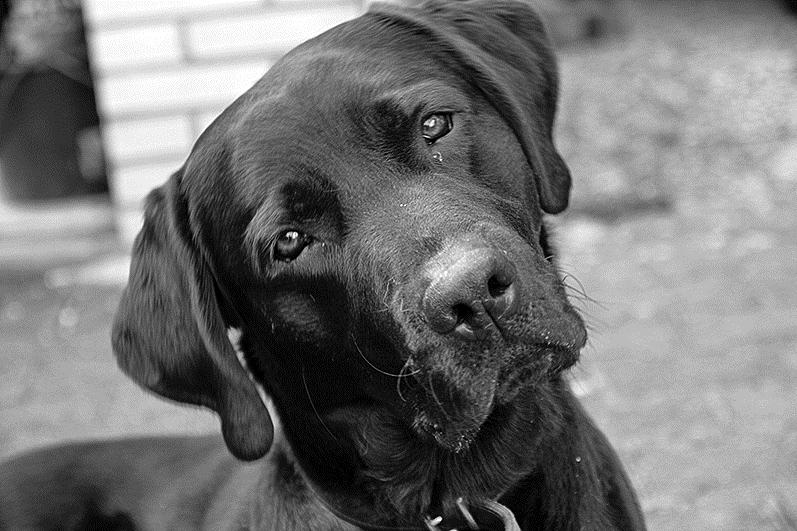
(476, 515)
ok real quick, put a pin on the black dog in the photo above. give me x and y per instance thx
(367, 221)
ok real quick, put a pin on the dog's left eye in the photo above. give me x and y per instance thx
(436, 126)
(290, 244)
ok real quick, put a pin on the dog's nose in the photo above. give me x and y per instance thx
(470, 292)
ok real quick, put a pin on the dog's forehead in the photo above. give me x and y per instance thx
(310, 114)
(361, 54)
(317, 89)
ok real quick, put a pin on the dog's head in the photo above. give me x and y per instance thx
(369, 216)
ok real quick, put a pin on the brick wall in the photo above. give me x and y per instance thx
(165, 68)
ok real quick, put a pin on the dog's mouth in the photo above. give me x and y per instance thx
(452, 401)
(448, 412)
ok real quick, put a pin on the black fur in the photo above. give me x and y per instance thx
(381, 417)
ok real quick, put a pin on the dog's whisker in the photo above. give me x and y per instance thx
(567, 275)
(574, 291)
(406, 366)
(404, 374)
(583, 305)
(578, 291)
(374, 367)
(436, 398)
(312, 405)
(398, 384)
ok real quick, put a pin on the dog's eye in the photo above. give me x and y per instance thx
(436, 126)
(289, 245)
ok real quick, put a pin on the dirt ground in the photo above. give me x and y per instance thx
(693, 365)
(680, 248)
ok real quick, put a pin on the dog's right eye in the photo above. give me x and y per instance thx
(289, 245)
(436, 126)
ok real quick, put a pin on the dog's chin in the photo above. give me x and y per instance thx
(451, 413)
(452, 435)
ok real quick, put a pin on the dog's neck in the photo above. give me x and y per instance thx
(375, 471)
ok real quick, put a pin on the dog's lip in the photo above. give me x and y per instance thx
(553, 352)
(455, 429)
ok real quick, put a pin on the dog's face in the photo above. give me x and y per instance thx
(369, 216)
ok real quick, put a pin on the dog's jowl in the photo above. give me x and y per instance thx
(368, 221)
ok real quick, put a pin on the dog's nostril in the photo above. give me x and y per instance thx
(503, 301)
(496, 288)
(463, 313)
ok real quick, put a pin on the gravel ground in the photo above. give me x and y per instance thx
(682, 137)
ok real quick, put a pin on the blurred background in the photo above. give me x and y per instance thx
(679, 122)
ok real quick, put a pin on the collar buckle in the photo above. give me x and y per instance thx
(480, 515)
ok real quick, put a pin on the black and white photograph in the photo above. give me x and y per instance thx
(400, 265)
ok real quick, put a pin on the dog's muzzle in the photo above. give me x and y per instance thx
(473, 290)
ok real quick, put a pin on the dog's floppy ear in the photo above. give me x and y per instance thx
(501, 48)
(169, 334)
